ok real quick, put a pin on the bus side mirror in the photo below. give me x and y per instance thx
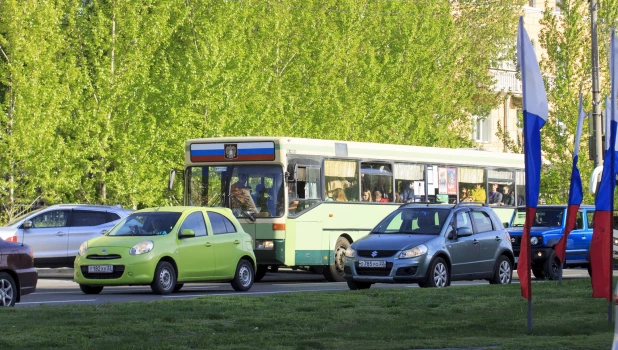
(170, 183)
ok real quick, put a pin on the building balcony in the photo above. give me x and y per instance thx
(506, 81)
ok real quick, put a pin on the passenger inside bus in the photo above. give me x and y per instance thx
(377, 194)
(241, 195)
(367, 196)
(338, 195)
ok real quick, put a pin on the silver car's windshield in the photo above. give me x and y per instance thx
(424, 221)
(545, 217)
(146, 224)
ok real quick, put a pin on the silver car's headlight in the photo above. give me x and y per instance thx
(83, 248)
(141, 248)
(534, 241)
(350, 253)
(414, 252)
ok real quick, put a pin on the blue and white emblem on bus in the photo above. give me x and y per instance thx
(241, 151)
(231, 151)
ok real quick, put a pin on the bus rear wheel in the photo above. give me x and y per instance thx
(334, 272)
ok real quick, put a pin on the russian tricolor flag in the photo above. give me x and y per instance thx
(535, 116)
(241, 151)
(576, 192)
(601, 245)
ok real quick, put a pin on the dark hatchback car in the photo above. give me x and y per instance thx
(17, 274)
(432, 245)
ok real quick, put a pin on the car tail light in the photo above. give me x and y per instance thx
(12, 239)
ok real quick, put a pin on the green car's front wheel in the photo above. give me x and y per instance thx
(164, 280)
(244, 277)
(90, 289)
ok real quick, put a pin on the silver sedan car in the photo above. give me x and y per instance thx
(432, 245)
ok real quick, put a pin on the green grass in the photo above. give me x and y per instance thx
(564, 317)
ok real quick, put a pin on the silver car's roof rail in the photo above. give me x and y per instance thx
(477, 204)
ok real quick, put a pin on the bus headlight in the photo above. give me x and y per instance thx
(262, 244)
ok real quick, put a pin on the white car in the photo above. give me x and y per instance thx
(56, 232)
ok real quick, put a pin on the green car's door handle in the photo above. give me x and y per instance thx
(236, 242)
(208, 244)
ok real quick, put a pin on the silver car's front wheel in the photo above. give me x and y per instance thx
(438, 275)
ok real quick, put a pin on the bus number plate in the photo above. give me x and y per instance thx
(372, 263)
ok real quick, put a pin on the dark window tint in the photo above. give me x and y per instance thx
(87, 218)
(195, 222)
(590, 215)
(112, 217)
(579, 221)
(220, 224)
(481, 221)
(56, 218)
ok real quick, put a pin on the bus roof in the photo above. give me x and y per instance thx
(379, 151)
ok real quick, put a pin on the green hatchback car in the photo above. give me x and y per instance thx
(165, 248)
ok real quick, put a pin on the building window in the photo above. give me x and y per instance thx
(481, 129)
(532, 3)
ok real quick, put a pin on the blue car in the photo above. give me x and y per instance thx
(547, 229)
(432, 245)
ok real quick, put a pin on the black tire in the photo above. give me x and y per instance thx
(589, 270)
(8, 290)
(503, 272)
(260, 272)
(538, 273)
(438, 274)
(334, 272)
(551, 266)
(178, 287)
(164, 280)
(90, 289)
(244, 276)
(353, 285)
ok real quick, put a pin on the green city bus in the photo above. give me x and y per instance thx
(304, 201)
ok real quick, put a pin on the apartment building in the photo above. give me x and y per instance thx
(506, 114)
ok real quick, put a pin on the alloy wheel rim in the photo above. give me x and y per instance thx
(6, 293)
(165, 277)
(439, 275)
(244, 275)
(505, 272)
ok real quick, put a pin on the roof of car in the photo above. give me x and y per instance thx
(180, 209)
(87, 206)
(443, 205)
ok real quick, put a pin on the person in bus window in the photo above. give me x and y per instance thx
(241, 195)
(292, 198)
(338, 195)
(378, 197)
(495, 197)
(508, 198)
(408, 193)
(479, 194)
(367, 196)
(465, 195)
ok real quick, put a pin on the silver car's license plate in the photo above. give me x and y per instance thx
(101, 269)
(372, 263)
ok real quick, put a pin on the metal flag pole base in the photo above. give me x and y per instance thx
(530, 316)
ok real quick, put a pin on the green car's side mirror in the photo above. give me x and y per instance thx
(187, 232)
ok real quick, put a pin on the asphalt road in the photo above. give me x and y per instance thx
(59, 290)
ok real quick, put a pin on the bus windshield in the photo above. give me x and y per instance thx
(249, 190)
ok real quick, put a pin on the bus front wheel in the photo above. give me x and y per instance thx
(334, 272)
(261, 272)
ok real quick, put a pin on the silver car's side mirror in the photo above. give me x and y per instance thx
(27, 224)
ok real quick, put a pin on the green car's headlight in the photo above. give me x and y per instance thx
(83, 248)
(414, 252)
(141, 248)
(350, 253)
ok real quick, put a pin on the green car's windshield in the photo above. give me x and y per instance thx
(146, 224)
(424, 221)
(545, 217)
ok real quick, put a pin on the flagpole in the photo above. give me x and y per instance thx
(560, 274)
(610, 236)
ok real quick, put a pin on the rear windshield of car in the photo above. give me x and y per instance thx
(424, 221)
(146, 224)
